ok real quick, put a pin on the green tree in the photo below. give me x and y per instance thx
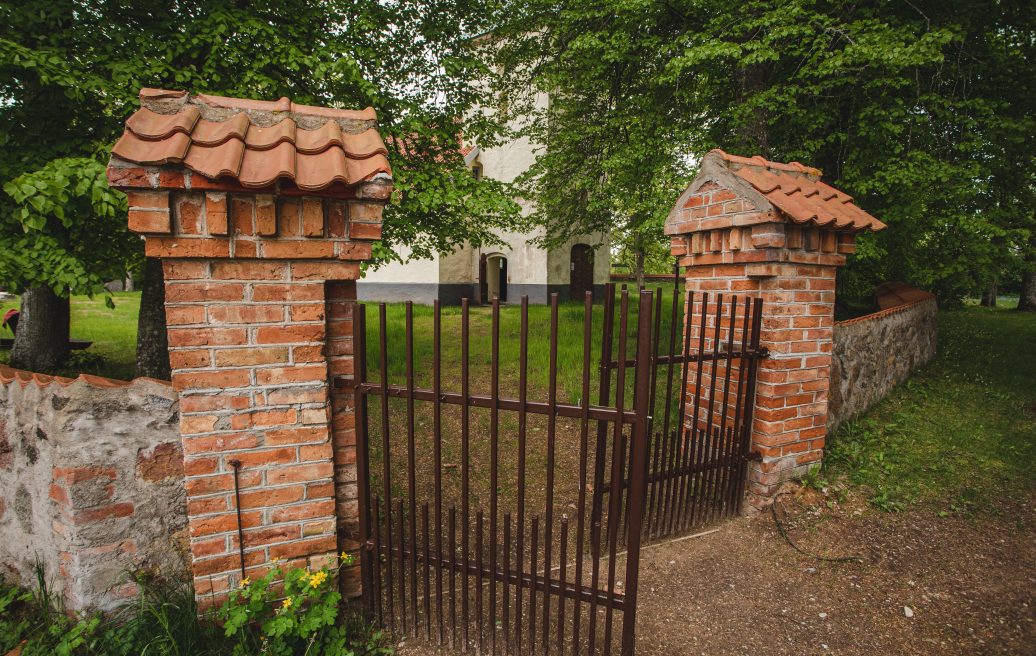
(918, 109)
(65, 236)
(70, 71)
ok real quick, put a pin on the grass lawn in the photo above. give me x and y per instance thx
(112, 331)
(961, 431)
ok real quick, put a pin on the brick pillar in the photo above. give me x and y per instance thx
(259, 291)
(760, 229)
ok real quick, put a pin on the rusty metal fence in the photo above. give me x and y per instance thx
(505, 521)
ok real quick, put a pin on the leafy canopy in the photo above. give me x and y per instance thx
(70, 71)
(67, 229)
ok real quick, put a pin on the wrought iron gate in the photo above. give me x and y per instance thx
(489, 520)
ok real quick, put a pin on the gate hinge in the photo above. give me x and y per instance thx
(755, 456)
(763, 352)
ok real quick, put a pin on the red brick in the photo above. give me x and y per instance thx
(305, 250)
(154, 200)
(270, 497)
(200, 466)
(259, 457)
(226, 379)
(266, 216)
(216, 212)
(250, 356)
(193, 424)
(310, 510)
(299, 473)
(290, 334)
(354, 250)
(207, 505)
(288, 292)
(198, 292)
(370, 231)
(73, 475)
(301, 435)
(334, 270)
(220, 442)
(366, 211)
(312, 217)
(209, 547)
(283, 375)
(207, 247)
(304, 547)
(149, 221)
(189, 213)
(288, 222)
(242, 210)
(183, 315)
(184, 270)
(128, 177)
(249, 314)
(261, 418)
(307, 354)
(249, 270)
(210, 402)
(103, 513)
(207, 337)
(190, 359)
(292, 395)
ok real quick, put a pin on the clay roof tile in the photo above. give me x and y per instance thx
(255, 142)
(798, 193)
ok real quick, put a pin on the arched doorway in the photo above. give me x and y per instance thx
(581, 272)
(493, 277)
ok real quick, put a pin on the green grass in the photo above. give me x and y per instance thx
(961, 432)
(112, 331)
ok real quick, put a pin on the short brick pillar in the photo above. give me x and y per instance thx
(751, 227)
(261, 213)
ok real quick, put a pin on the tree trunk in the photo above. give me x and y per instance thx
(152, 342)
(1027, 299)
(989, 296)
(41, 343)
(639, 272)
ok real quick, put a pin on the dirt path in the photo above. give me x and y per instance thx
(970, 585)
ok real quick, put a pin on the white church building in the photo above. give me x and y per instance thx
(509, 272)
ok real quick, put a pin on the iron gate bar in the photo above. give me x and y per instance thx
(523, 579)
(596, 412)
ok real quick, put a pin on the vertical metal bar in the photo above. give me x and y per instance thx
(453, 577)
(746, 429)
(638, 480)
(411, 462)
(709, 444)
(427, 574)
(724, 478)
(584, 426)
(465, 474)
(437, 453)
(523, 384)
(378, 588)
(386, 450)
(534, 581)
(742, 372)
(604, 397)
(615, 482)
(563, 560)
(236, 465)
(480, 528)
(696, 449)
(656, 443)
(506, 578)
(548, 523)
(685, 437)
(402, 566)
(668, 452)
(494, 457)
(362, 457)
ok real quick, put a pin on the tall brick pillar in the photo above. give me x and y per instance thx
(761, 229)
(261, 213)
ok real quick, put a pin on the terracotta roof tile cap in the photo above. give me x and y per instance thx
(759, 160)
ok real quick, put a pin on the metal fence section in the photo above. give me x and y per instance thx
(502, 515)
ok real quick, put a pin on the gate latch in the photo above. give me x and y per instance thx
(754, 456)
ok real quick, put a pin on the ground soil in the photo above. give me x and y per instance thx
(968, 581)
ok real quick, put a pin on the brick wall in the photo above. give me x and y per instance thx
(91, 484)
(731, 245)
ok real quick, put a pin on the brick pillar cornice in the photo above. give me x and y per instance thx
(750, 227)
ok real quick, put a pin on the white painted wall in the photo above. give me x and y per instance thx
(419, 271)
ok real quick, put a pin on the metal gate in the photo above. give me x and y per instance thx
(489, 520)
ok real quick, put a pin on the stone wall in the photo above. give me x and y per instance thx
(91, 484)
(876, 352)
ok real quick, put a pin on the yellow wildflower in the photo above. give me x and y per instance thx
(244, 582)
(316, 579)
(286, 603)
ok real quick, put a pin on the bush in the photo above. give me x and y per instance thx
(286, 612)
